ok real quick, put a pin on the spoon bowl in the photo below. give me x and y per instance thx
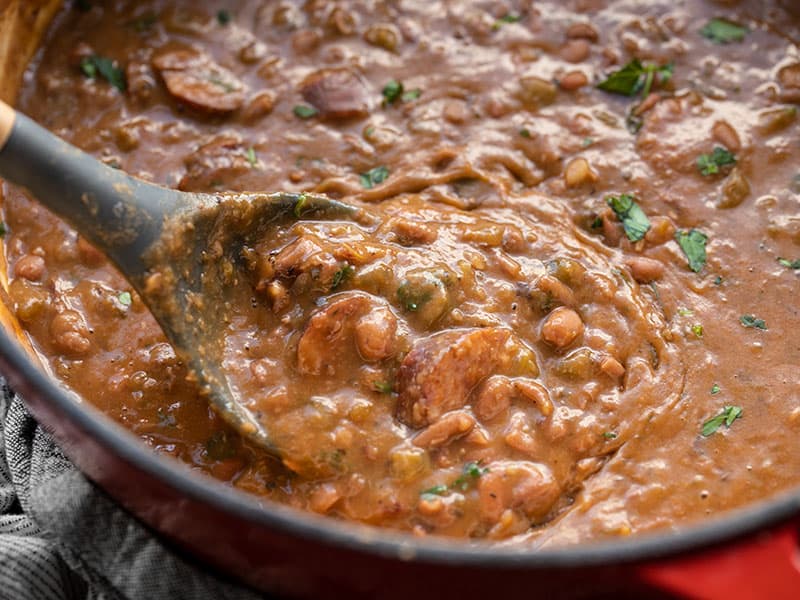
(181, 252)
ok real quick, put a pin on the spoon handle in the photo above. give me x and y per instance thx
(119, 214)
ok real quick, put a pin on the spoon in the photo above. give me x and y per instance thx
(180, 251)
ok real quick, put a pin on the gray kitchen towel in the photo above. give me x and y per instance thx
(62, 538)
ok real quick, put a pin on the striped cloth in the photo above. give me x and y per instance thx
(61, 538)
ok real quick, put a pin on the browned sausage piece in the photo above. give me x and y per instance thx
(195, 80)
(343, 319)
(441, 370)
(521, 485)
(214, 163)
(336, 94)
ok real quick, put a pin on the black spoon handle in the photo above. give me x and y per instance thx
(121, 215)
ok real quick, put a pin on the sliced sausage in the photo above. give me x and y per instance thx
(338, 323)
(439, 372)
(524, 486)
(194, 79)
(336, 94)
(214, 163)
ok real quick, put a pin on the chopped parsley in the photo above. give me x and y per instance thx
(728, 415)
(250, 154)
(635, 78)
(504, 20)
(634, 221)
(342, 275)
(697, 330)
(789, 264)
(411, 95)
(125, 298)
(610, 435)
(394, 91)
(384, 387)
(300, 205)
(223, 17)
(471, 472)
(3, 229)
(752, 322)
(304, 111)
(693, 243)
(710, 164)
(374, 177)
(525, 132)
(715, 389)
(685, 312)
(95, 65)
(437, 490)
(722, 31)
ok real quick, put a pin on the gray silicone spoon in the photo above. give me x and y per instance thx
(178, 250)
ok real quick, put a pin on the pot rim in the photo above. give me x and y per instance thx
(380, 542)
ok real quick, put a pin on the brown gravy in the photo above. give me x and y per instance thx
(508, 354)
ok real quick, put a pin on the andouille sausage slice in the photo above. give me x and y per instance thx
(336, 94)
(439, 372)
(194, 79)
(342, 320)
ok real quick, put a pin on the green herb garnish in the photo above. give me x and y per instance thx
(437, 490)
(250, 154)
(710, 164)
(304, 111)
(125, 298)
(634, 221)
(411, 95)
(610, 435)
(392, 91)
(92, 66)
(3, 229)
(525, 132)
(728, 415)
(504, 20)
(715, 389)
(384, 387)
(752, 322)
(300, 205)
(635, 78)
(697, 330)
(374, 177)
(341, 275)
(469, 474)
(693, 243)
(790, 264)
(223, 17)
(721, 31)
(685, 312)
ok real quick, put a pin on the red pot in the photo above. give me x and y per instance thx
(749, 554)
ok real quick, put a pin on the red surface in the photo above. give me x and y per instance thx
(764, 567)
